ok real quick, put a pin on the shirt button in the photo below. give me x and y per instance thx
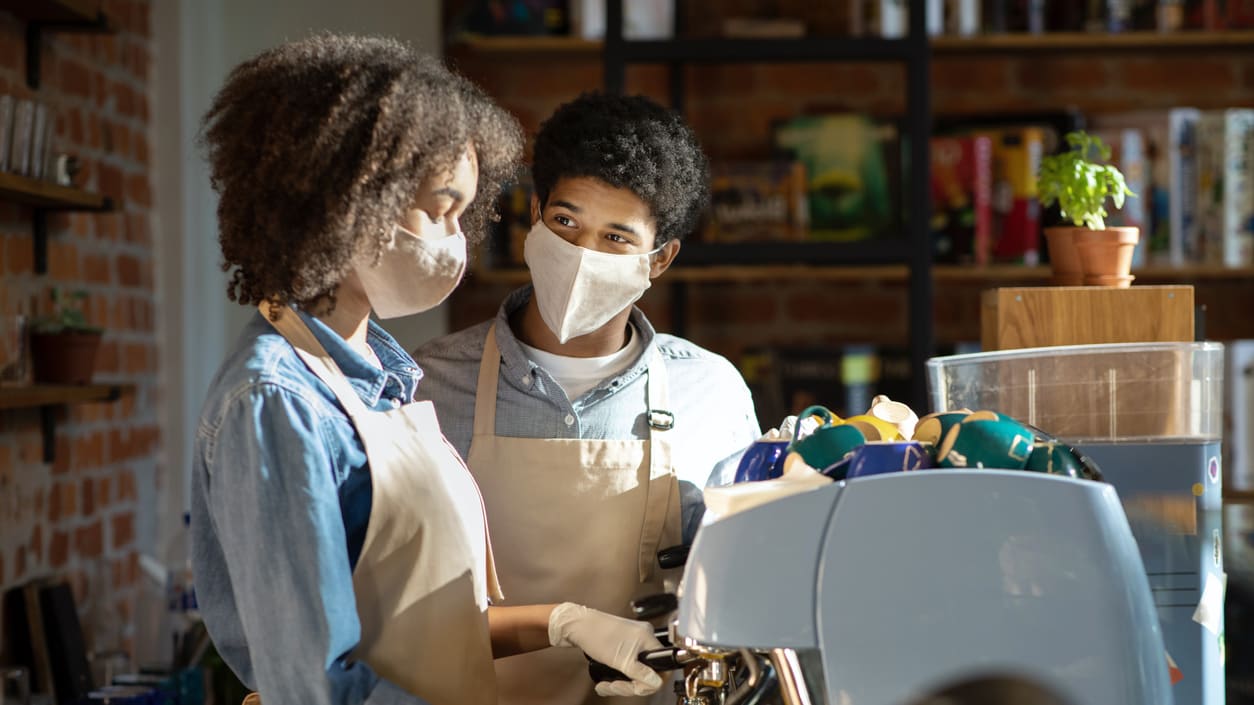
(526, 379)
(570, 420)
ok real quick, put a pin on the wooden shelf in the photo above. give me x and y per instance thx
(1093, 41)
(994, 275)
(54, 11)
(990, 43)
(45, 194)
(60, 395)
(43, 197)
(47, 398)
(732, 274)
(517, 45)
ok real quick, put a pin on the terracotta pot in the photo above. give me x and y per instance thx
(64, 358)
(1114, 280)
(1064, 258)
(1107, 253)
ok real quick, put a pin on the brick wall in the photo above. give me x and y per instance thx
(732, 106)
(80, 517)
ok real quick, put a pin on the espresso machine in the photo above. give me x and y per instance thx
(882, 589)
(1151, 415)
(885, 589)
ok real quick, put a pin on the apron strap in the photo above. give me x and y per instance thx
(662, 483)
(293, 328)
(489, 378)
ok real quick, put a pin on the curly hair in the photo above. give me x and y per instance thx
(627, 142)
(318, 145)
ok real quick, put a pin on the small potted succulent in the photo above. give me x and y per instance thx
(1079, 180)
(63, 346)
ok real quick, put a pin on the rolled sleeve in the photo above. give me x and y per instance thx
(275, 511)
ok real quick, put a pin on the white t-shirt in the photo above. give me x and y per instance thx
(579, 375)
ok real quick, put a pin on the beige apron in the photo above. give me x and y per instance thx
(425, 573)
(575, 520)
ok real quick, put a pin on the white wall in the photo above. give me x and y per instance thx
(198, 41)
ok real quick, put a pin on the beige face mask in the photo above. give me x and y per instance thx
(415, 273)
(579, 290)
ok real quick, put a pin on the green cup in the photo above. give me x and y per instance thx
(1005, 445)
(1054, 458)
(828, 445)
(933, 427)
(987, 415)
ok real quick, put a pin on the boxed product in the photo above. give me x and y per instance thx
(1225, 189)
(848, 173)
(756, 202)
(961, 221)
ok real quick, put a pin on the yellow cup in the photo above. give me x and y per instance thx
(873, 428)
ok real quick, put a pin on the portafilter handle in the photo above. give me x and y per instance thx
(660, 660)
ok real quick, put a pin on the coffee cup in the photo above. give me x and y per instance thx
(827, 445)
(873, 428)
(879, 457)
(1056, 459)
(896, 413)
(933, 427)
(764, 460)
(986, 444)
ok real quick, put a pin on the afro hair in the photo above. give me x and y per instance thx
(628, 142)
(318, 146)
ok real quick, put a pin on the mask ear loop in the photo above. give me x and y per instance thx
(652, 254)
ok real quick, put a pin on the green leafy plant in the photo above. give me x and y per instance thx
(67, 315)
(1080, 181)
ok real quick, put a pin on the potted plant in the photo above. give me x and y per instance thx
(1080, 180)
(63, 346)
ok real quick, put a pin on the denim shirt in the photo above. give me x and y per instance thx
(714, 415)
(280, 504)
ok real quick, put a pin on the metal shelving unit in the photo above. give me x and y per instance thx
(912, 250)
(1003, 44)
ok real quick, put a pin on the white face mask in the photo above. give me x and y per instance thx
(579, 290)
(415, 273)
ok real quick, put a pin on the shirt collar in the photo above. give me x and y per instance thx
(399, 376)
(518, 365)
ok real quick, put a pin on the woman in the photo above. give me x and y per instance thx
(339, 543)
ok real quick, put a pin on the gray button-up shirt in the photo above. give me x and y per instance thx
(714, 414)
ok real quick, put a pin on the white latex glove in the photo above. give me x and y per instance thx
(614, 641)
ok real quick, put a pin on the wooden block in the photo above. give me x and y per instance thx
(1034, 317)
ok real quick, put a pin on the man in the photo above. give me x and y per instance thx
(584, 427)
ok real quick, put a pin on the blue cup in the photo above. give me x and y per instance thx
(879, 457)
(764, 460)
